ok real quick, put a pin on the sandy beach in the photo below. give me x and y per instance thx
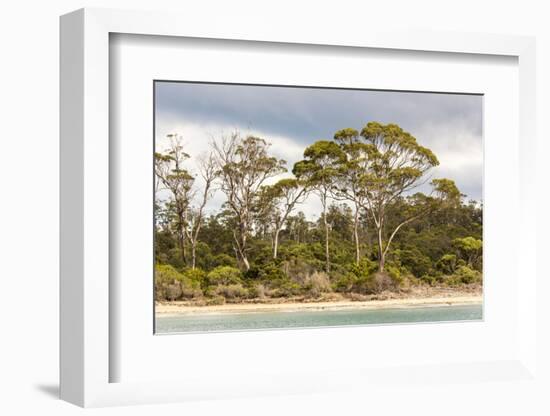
(177, 308)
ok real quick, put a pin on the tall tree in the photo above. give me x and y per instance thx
(351, 179)
(172, 176)
(195, 214)
(319, 169)
(397, 164)
(244, 166)
(281, 200)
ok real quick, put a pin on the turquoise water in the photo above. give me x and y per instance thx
(308, 319)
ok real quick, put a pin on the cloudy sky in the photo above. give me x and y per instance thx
(293, 118)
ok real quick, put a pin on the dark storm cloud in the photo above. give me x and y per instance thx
(449, 124)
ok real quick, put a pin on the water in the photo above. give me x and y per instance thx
(307, 319)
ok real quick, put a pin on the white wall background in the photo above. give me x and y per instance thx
(29, 56)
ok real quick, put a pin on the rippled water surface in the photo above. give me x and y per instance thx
(303, 319)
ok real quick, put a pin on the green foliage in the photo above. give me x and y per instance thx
(469, 249)
(358, 279)
(437, 238)
(320, 164)
(195, 277)
(244, 164)
(387, 280)
(394, 273)
(269, 274)
(173, 285)
(224, 275)
(299, 269)
(365, 268)
(285, 288)
(447, 191)
(468, 244)
(165, 273)
(345, 283)
(223, 259)
(464, 275)
(447, 263)
(230, 292)
(414, 261)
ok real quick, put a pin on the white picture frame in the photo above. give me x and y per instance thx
(86, 352)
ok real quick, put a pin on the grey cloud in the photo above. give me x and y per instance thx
(450, 123)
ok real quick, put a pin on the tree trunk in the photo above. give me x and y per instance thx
(356, 235)
(243, 258)
(240, 248)
(181, 234)
(246, 263)
(182, 247)
(276, 243)
(193, 254)
(381, 253)
(327, 254)
(243, 250)
(241, 244)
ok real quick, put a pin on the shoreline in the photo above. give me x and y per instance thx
(166, 309)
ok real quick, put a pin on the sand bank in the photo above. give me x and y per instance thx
(175, 308)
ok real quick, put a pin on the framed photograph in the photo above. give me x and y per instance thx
(259, 225)
(273, 213)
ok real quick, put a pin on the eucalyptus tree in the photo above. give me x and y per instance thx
(350, 184)
(397, 164)
(319, 170)
(280, 201)
(244, 165)
(195, 214)
(173, 177)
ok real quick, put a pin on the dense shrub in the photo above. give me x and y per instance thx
(345, 283)
(172, 291)
(257, 291)
(298, 270)
(470, 249)
(284, 289)
(414, 261)
(235, 291)
(365, 268)
(364, 278)
(224, 260)
(358, 279)
(317, 283)
(224, 275)
(429, 279)
(382, 281)
(173, 257)
(165, 273)
(311, 254)
(271, 273)
(173, 285)
(464, 275)
(196, 277)
(447, 263)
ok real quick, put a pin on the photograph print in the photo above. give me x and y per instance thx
(300, 207)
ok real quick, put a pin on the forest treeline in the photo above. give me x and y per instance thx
(374, 233)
